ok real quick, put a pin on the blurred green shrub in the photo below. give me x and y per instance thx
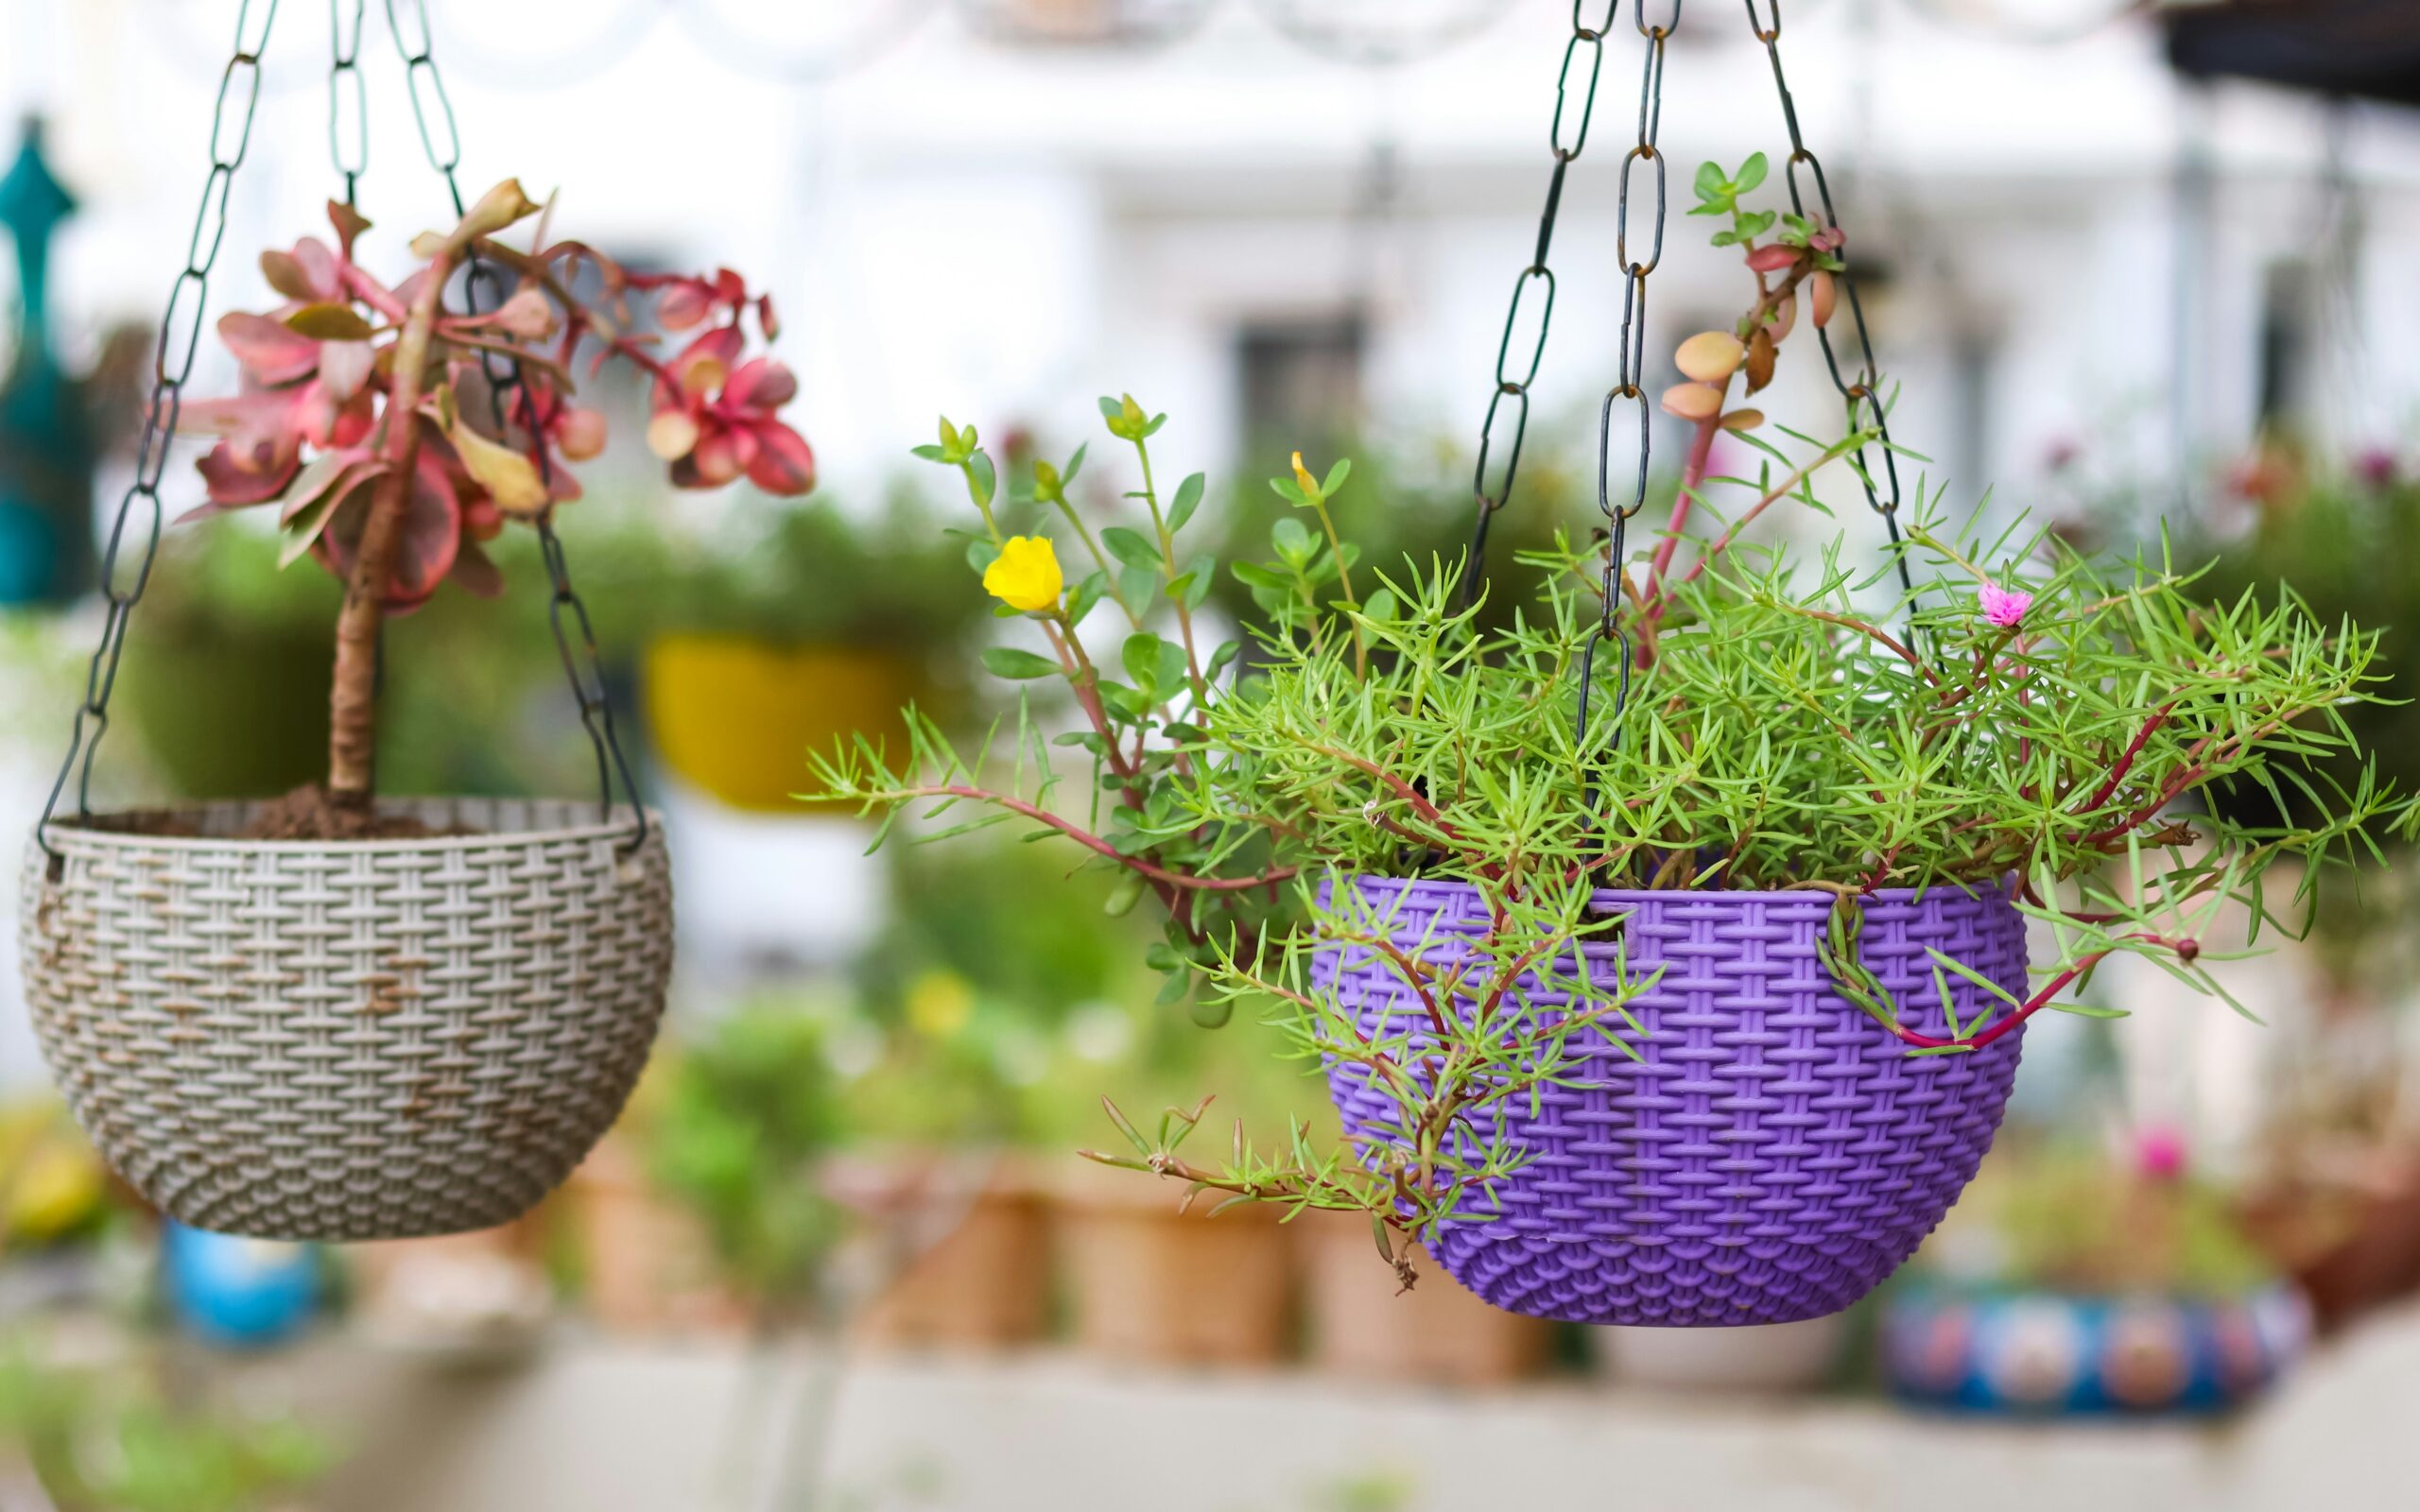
(111, 1441)
(738, 1130)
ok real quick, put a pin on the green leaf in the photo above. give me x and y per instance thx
(1711, 183)
(330, 322)
(1188, 498)
(984, 482)
(1087, 596)
(1252, 574)
(1751, 173)
(1124, 896)
(929, 453)
(1007, 661)
(1131, 547)
(1141, 655)
(982, 553)
(1336, 476)
(1194, 585)
(1292, 541)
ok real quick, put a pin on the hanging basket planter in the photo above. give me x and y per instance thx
(1761, 1152)
(328, 1017)
(348, 1040)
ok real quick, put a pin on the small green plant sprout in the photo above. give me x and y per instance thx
(2012, 714)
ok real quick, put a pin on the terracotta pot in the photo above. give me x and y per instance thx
(738, 717)
(1156, 1286)
(964, 1256)
(1363, 1324)
(650, 1265)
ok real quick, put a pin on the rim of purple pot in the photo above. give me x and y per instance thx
(1630, 896)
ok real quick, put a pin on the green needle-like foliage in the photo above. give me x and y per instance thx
(2007, 715)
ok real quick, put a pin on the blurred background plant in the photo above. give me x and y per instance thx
(110, 1439)
(2060, 1214)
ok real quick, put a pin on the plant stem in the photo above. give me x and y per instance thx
(1167, 573)
(1692, 478)
(353, 697)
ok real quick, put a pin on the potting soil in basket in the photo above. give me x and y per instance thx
(1771, 1153)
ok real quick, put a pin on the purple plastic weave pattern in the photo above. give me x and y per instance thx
(1772, 1154)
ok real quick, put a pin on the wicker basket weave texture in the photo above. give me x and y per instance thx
(350, 1040)
(1771, 1153)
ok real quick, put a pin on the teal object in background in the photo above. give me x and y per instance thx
(47, 452)
(244, 1292)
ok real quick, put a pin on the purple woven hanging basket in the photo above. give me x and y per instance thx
(1772, 1154)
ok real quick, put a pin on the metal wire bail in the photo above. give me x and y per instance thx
(172, 359)
(509, 400)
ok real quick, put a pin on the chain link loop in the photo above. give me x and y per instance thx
(348, 98)
(1862, 394)
(172, 359)
(1489, 499)
(508, 396)
(1632, 384)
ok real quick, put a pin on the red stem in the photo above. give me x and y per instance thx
(1100, 847)
(2126, 761)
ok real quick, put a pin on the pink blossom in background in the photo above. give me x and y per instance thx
(2159, 1153)
(2005, 607)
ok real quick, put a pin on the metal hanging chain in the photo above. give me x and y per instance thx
(1536, 275)
(348, 99)
(432, 111)
(1632, 383)
(1865, 391)
(230, 135)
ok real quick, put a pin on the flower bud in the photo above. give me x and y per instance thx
(580, 434)
(1823, 293)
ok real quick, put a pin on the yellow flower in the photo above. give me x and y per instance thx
(1025, 576)
(938, 1004)
(1303, 478)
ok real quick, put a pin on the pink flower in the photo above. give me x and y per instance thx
(2159, 1153)
(2005, 607)
(2375, 466)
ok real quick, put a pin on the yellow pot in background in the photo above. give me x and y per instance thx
(738, 717)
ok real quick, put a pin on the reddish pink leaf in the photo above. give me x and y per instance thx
(267, 350)
(785, 463)
(763, 384)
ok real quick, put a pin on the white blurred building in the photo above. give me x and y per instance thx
(954, 220)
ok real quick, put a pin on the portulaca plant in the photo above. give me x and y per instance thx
(2021, 717)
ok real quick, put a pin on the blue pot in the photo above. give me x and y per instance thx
(246, 1293)
(2045, 1353)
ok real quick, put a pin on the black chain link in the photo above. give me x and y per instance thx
(348, 98)
(1631, 384)
(180, 339)
(1863, 393)
(1536, 275)
(433, 112)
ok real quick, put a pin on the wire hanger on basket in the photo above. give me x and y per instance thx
(1859, 390)
(180, 339)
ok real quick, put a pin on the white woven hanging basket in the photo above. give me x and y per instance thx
(343, 1040)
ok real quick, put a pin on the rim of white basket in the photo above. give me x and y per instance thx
(72, 832)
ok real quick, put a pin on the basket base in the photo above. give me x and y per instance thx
(339, 1041)
(1643, 1286)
